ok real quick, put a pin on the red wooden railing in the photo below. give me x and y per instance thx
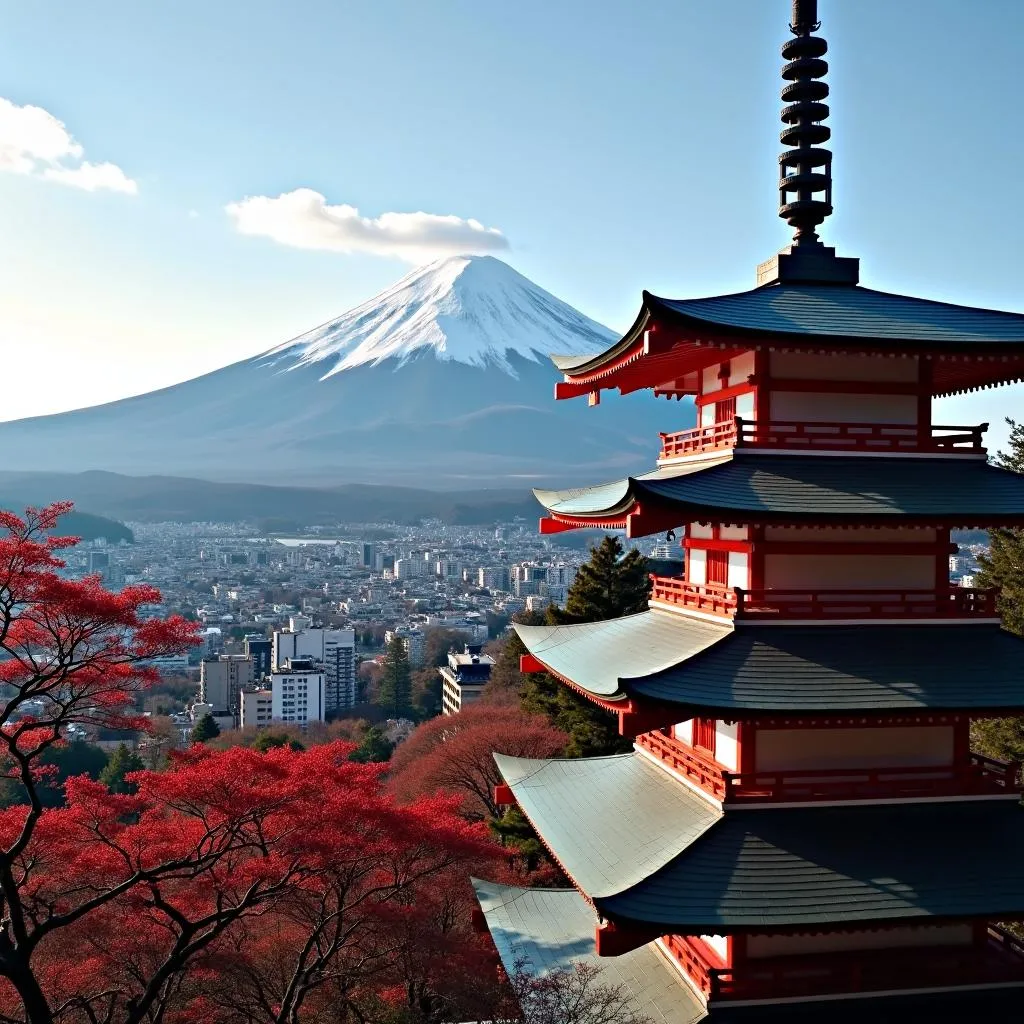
(982, 775)
(701, 771)
(999, 960)
(848, 437)
(955, 603)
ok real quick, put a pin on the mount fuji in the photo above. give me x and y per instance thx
(441, 381)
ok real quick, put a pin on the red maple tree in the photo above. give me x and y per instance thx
(455, 754)
(235, 886)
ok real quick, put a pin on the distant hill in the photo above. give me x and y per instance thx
(166, 498)
(74, 524)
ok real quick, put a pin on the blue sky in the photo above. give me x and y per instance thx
(615, 147)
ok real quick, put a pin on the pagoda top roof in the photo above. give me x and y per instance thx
(547, 930)
(700, 666)
(763, 870)
(740, 487)
(841, 315)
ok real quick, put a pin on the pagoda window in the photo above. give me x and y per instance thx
(718, 568)
(725, 411)
(704, 735)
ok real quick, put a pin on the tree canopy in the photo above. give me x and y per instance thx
(205, 729)
(396, 680)
(122, 762)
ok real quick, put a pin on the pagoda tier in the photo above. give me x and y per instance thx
(673, 341)
(793, 489)
(657, 667)
(552, 929)
(655, 857)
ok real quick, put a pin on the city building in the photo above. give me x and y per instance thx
(801, 831)
(464, 677)
(333, 649)
(256, 708)
(493, 577)
(369, 556)
(413, 641)
(261, 649)
(297, 688)
(221, 679)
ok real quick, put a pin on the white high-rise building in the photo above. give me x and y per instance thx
(222, 678)
(333, 649)
(297, 692)
(257, 708)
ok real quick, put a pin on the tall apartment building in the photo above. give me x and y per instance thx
(222, 678)
(412, 639)
(463, 678)
(334, 649)
(260, 649)
(297, 692)
(256, 708)
(493, 577)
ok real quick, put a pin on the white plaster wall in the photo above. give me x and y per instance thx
(739, 571)
(727, 751)
(815, 366)
(887, 938)
(740, 368)
(843, 572)
(720, 944)
(709, 379)
(803, 749)
(698, 568)
(733, 532)
(683, 731)
(703, 531)
(707, 415)
(812, 407)
(857, 535)
(745, 406)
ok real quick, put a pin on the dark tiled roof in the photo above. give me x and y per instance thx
(819, 866)
(660, 859)
(547, 930)
(846, 312)
(835, 669)
(612, 821)
(784, 487)
(704, 666)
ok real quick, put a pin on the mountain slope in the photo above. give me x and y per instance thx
(441, 381)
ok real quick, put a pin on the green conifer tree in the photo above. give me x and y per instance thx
(375, 747)
(121, 763)
(205, 729)
(1003, 568)
(607, 587)
(396, 681)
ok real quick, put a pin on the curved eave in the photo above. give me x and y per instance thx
(808, 868)
(866, 670)
(631, 342)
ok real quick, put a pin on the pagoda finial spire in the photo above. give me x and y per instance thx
(805, 169)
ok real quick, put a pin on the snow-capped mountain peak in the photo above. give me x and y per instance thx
(467, 309)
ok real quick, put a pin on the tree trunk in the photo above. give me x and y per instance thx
(37, 1007)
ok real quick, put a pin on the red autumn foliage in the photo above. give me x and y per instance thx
(455, 754)
(233, 887)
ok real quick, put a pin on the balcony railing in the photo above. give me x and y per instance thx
(791, 435)
(999, 960)
(982, 776)
(780, 605)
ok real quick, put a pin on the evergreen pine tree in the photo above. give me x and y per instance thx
(396, 682)
(1003, 568)
(205, 729)
(607, 587)
(122, 762)
(375, 747)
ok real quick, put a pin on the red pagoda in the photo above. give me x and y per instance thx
(802, 829)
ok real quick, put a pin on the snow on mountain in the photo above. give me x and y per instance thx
(441, 381)
(468, 309)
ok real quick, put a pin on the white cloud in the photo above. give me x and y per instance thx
(34, 142)
(303, 219)
(93, 177)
